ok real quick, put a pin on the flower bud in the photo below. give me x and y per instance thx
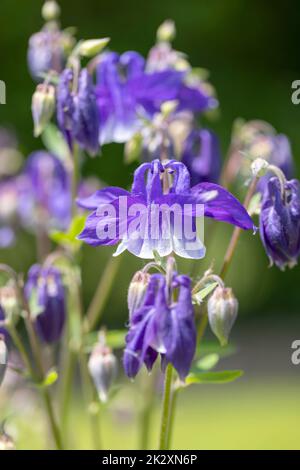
(137, 290)
(166, 31)
(43, 107)
(3, 358)
(222, 312)
(9, 302)
(259, 167)
(92, 47)
(6, 442)
(50, 10)
(103, 369)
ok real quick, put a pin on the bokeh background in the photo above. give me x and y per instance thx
(251, 50)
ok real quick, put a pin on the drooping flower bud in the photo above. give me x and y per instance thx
(103, 368)
(50, 10)
(136, 291)
(3, 358)
(222, 312)
(43, 107)
(280, 222)
(45, 294)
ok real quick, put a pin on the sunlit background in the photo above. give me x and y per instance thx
(251, 50)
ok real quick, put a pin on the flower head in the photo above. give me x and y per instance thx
(45, 293)
(45, 193)
(160, 213)
(280, 222)
(162, 325)
(126, 91)
(77, 111)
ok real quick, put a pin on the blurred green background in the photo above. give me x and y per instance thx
(251, 50)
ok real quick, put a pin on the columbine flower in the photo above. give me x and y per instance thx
(125, 92)
(280, 222)
(257, 139)
(45, 193)
(146, 226)
(45, 293)
(163, 326)
(77, 111)
(48, 50)
(201, 155)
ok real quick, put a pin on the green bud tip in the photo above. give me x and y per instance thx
(92, 47)
(166, 31)
(50, 10)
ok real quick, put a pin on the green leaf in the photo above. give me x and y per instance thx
(54, 142)
(208, 362)
(211, 347)
(219, 377)
(203, 293)
(69, 238)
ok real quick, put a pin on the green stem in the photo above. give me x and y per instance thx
(102, 293)
(165, 416)
(172, 417)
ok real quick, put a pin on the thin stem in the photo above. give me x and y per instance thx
(236, 233)
(172, 417)
(165, 416)
(102, 293)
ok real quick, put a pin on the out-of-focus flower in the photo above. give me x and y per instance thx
(9, 200)
(77, 111)
(45, 294)
(257, 139)
(280, 222)
(45, 193)
(127, 93)
(222, 309)
(9, 302)
(202, 156)
(162, 325)
(155, 191)
(48, 51)
(3, 331)
(6, 441)
(10, 158)
(103, 368)
(43, 107)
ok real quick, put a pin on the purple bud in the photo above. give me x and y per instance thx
(103, 369)
(3, 358)
(45, 294)
(222, 310)
(280, 222)
(202, 156)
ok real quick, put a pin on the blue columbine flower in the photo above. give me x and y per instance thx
(162, 325)
(48, 51)
(77, 111)
(202, 156)
(45, 293)
(126, 91)
(280, 222)
(151, 196)
(45, 193)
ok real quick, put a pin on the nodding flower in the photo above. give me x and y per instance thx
(164, 324)
(280, 222)
(159, 191)
(77, 111)
(45, 294)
